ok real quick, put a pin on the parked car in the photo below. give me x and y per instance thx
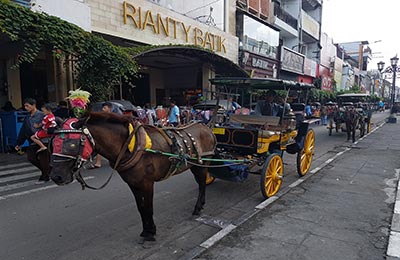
(122, 107)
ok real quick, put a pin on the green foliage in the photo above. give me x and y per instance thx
(99, 64)
(322, 96)
(318, 82)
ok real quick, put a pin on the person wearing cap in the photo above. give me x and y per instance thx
(268, 107)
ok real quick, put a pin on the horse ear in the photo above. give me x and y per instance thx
(80, 123)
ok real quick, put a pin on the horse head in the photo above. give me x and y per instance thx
(71, 146)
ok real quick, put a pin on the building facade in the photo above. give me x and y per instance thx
(258, 39)
(299, 22)
(176, 74)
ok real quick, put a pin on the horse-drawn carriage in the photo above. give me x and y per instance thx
(145, 154)
(255, 143)
(353, 112)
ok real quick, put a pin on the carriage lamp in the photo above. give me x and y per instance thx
(289, 121)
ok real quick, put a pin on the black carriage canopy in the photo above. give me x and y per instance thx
(353, 97)
(261, 83)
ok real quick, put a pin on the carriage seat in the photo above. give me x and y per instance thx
(298, 107)
(255, 120)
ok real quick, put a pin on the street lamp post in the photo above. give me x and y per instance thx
(392, 69)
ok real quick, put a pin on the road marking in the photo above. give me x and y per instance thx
(393, 249)
(315, 170)
(17, 185)
(266, 202)
(19, 176)
(294, 184)
(218, 236)
(329, 161)
(14, 165)
(36, 190)
(13, 171)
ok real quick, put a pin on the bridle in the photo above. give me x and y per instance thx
(79, 160)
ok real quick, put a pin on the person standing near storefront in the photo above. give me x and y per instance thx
(173, 116)
(35, 117)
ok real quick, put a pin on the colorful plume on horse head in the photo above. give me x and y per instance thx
(79, 100)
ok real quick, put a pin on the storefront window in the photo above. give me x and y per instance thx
(210, 12)
(259, 38)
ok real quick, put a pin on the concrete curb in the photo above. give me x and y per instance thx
(228, 229)
(393, 249)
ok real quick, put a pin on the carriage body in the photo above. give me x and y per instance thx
(259, 140)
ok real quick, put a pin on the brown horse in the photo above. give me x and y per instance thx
(140, 168)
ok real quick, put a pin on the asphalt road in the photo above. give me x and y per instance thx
(68, 223)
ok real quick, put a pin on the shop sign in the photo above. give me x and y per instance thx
(292, 61)
(326, 80)
(165, 26)
(310, 68)
(310, 25)
(259, 66)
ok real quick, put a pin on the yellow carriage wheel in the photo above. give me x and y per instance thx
(305, 156)
(209, 178)
(271, 177)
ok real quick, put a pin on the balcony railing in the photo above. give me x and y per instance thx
(285, 16)
(25, 3)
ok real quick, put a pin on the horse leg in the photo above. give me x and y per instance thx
(144, 202)
(348, 129)
(42, 162)
(200, 177)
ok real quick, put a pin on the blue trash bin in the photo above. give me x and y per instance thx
(12, 123)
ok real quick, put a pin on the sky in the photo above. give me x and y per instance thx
(365, 20)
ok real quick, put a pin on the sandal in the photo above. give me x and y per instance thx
(94, 166)
(41, 149)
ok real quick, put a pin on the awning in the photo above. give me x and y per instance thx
(183, 56)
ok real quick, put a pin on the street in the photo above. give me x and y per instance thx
(51, 222)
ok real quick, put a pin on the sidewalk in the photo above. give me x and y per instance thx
(12, 158)
(344, 211)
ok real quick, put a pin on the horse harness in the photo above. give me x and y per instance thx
(180, 140)
(184, 145)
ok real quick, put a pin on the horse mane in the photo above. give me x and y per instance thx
(94, 117)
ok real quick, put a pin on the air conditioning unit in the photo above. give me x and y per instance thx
(303, 49)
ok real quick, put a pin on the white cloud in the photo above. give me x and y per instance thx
(365, 20)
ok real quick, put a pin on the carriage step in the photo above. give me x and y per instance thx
(313, 121)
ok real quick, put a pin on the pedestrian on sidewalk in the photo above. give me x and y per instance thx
(174, 115)
(41, 160)
(324, 115)
(106, 107)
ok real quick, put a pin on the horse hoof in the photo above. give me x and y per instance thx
(196, 213)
